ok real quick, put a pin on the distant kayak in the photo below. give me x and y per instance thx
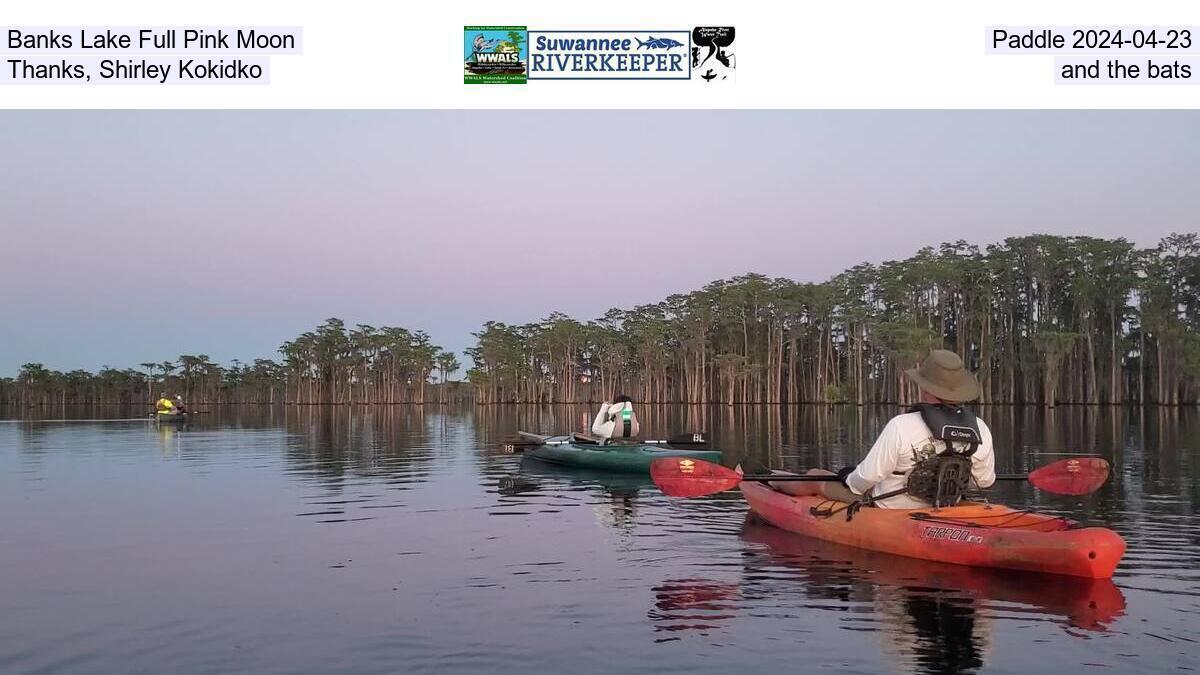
(171, 418)
(979, 535)
(622, 457)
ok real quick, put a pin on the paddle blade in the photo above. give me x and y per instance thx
(683, 477)
(690, 438)
(1076, 476)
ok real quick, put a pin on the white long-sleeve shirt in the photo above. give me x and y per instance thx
(605, 424)
(904, 442)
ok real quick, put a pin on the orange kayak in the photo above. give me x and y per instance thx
(979, 535)
(825, 568)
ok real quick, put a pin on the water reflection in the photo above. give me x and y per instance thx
(689, 604)
(334, 444)
(939, 617)
(170, 439)
(412, 528)
(612, 496)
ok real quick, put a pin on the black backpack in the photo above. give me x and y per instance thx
(942, 479)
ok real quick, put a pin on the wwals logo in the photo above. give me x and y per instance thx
(495, 54)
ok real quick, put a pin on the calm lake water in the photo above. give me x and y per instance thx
(401, 540)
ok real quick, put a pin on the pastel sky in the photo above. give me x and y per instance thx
(137, 236)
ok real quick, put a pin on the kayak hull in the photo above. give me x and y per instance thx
(632, 458)
(1088, 604)
(978, 535)
(171, 418)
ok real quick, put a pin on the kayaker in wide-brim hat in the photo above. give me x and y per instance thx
(943, 375)
(909, 465)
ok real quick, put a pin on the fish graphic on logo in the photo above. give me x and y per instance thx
(659, 43)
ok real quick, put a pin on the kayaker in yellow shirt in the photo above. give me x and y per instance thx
(931, 454)
(616, 420)
(164, 406)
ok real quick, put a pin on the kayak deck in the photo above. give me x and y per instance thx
(979, 535)
(1088, 604)
(623, 457)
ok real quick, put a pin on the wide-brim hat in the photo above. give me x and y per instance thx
(943, 374)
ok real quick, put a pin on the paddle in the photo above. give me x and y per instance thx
(681, 439)
(681, 477)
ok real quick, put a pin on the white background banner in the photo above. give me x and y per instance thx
(868, 54)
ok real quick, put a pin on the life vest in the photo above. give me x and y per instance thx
(164, 405)
(625, 424)
(942, 479)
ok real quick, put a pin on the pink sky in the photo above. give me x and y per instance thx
(135, 236)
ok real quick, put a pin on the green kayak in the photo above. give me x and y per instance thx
(623, 457)
(171, 418)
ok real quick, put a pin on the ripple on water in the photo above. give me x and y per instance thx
(386, 541)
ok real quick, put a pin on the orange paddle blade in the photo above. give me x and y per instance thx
(1076, 476)
(683, 477)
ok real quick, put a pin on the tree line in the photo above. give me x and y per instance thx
(330, 364)
(1042, 319)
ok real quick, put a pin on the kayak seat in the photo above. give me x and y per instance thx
(581, 438)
